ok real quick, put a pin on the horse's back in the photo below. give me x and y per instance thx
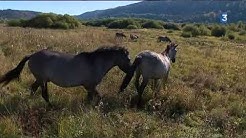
(45, 57)
(54, 66)
(153, 65)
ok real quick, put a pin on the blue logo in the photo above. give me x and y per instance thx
(223, 18)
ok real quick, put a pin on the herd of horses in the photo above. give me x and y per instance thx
(88, 68)
(134, 37)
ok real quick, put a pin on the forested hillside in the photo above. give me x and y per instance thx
(178, 11)
(17, 14)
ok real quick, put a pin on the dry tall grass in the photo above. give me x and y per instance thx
(205, 95)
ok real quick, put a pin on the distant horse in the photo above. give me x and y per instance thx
(164, 39)
(133, 37)
(150, 65)
(65, 70)
(120, 35)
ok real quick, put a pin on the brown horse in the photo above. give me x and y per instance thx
(120, 35)
(66, 70)
(164, 39)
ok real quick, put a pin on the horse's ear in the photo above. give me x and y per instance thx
(167, 49)
(168, 46)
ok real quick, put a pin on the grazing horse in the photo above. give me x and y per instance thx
(66, 70)
(150, 65)
(164, 39)
(133, 37)
(120, 35)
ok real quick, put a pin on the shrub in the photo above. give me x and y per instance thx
(233, 27)
(2, 21)
(48, 21)
(152, 24)
(118, 24)
(104, 22)
(40, 22)
(240, 25)
(186, 34)
(14, 23)
(61, 25)
(218, 31)
(123, 23)
(132, 27)
(183, 25)
(194, 31)
(242, 32)
(197, 24)
(169, 31)
(171, 26)
(204, 30)
(231, 36)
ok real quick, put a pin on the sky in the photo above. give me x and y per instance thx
(62, 7)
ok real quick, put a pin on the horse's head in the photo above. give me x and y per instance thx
(123, 60)
(120, 34)
(171, 51)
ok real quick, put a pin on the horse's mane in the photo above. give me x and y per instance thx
(110, 49)
(106, 50)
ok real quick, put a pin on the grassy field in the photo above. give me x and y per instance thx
(205, 95)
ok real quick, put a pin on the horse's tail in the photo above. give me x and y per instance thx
(130, 74)
(14, 73)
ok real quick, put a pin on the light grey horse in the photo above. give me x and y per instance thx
(133, 37)
(85, 69)
(164, 39)
(150, 65)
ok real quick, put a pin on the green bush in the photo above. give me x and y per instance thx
(14, 23)
(171, 26)
(48, 21)
(218, 31)
(152, 24)
(204, 30)
(183, 25)
(169, 31)
(2, 21)
(242, 32)
(98, 23)
(132, 27)
(122, 23)
(186, 34)
(194, 31)
(61, 25)
(233, 27)
(197, 24)
(231, 36)
(240, 25)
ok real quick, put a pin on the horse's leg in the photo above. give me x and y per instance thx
(164, 80)
(97, 96)
(141, 89)
(164, 84)
(153, 85)
(34, 87)
(45, 92)
(137, 80)
(92, 92)
(90, 95)
(157, 87)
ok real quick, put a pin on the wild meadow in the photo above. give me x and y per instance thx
(205, 95)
